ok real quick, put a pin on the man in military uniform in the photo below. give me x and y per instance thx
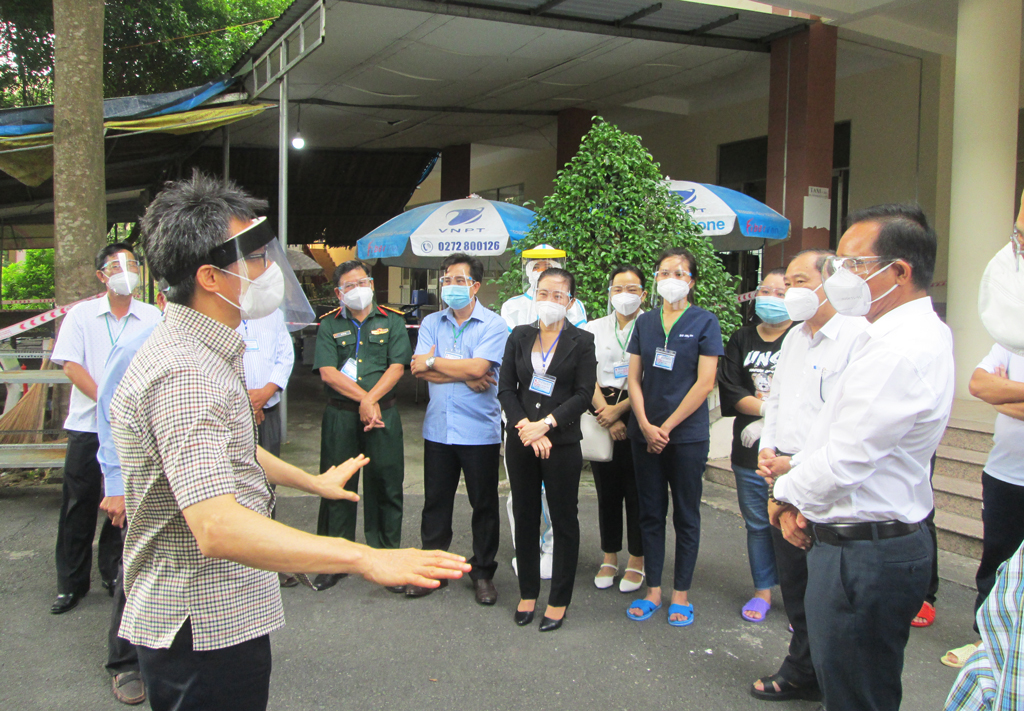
(361, 352)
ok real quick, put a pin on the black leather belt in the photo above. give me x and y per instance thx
(354, 406)
(836, 534)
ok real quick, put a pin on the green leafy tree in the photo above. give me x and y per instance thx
(31, 278)
(611, 206)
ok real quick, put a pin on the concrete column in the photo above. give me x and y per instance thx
(801, 125)
(982, 203)
(455, 161)
(573, 125)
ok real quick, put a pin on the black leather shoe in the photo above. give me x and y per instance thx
(110, 586)
(524, 618)
(65, 602)
(486, 593)
(327, 580)
(549, 625)
(418, 591)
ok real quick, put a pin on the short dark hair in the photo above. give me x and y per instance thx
(679, 252)
(188, 219)
(623, 269)
(777, 271)
(345, 267)
(905, 234)
(821, 256)
(476, 267)
(561, 274)
(101, 256)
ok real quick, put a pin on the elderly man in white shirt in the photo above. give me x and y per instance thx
(813, 355)
(860, 489)
(89, 332)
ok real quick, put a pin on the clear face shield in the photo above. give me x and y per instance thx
(625, 298)
(673, 283)
(268, 283)
(122, 272)
(533, 268)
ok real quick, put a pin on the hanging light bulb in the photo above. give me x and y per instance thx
(298, 142)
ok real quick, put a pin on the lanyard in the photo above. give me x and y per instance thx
(544, 356)
(106, 320)
(661, 320)
(457, 334)
(615, 329)
(359, 336)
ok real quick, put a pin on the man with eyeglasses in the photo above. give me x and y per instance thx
(89, 332)
(361, 353)
(458, 353)
(857, 495)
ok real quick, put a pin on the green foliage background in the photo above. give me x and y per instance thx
(31, 278)
(611, 205)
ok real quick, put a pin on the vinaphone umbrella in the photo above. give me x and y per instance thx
(734, 221)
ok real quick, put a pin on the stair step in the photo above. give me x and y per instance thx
(720, 472)
(959, 463)
(959, 534)
(958, 496)
(968, 434)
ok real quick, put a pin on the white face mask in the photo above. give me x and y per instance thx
(1001, 301)
(851, 295)
(673, 290)
(263, 294)
(626, 303)
(123, 283)
(358, 299)
(549, 312)
(802, 303)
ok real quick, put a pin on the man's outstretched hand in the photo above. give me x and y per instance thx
(411, 566)
(332, 482)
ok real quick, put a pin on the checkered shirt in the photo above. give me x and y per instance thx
(993, 677)
(185, 432)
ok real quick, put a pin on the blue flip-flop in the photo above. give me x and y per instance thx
(756, 604)
(648, 607)
(675, 609)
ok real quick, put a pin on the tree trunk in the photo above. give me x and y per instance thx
(79, 192)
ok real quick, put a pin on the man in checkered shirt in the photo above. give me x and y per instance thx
(201, 552)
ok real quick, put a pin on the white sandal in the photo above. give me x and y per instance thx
(626, 586)
(960, 654)
(603, 582)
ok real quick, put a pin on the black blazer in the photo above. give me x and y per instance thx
(574, 367)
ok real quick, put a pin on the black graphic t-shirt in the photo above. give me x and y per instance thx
(746, 370)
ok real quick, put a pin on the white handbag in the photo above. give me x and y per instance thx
(597, 442)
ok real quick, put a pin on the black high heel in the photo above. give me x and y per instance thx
(549, 625)
(524, 618)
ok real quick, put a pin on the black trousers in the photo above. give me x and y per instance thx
(442, 464)
(121, 654)
(76, 527)
(1002, 517)
(269, 430)
(791, 563)
(679, 467)
(616, 484)
(180, 679)
(560, 475)
(861, 597)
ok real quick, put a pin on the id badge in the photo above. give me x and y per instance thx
(251, 344)
(621, 370)
(664, 358)
(350, 369)
(543, 384)
(452, 355)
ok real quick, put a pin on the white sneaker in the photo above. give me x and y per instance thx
(515, 567)
(546, 563)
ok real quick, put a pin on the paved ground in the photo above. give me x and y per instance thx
(359, 647)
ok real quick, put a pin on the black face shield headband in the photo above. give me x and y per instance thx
(258, 234)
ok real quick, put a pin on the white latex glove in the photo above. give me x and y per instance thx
(752, 433)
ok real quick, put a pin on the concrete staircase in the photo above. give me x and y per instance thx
(956, 482)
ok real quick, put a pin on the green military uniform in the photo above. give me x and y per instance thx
(380, 341)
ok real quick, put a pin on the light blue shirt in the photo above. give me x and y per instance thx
(456, 414)
(117, 363)
(269, 353)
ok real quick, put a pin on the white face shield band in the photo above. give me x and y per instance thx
(122, 282)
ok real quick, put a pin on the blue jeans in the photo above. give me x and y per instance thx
(752, 493)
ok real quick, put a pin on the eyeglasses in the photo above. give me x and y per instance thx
(635, 289)
(666, 274)
(347, 286)
(858, 265)
(559, 297)
(456, 280)
(769, 291)
(115, 266)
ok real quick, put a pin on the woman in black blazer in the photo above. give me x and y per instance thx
(546, 382)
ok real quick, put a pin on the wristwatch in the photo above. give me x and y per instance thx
(549, 421)
(430, 362)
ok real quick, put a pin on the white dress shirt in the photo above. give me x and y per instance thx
(1006, 460)
(868, 455)
(610, 343)
(87, 336)
(269, 354)
(808, 367)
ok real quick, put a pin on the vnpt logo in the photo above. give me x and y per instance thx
(688, 196)
(464, 217)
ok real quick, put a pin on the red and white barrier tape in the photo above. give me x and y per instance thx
(36, 321)
(25, 301)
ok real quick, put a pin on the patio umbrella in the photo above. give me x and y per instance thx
(302, 264)
(734, 221)
(422, 237)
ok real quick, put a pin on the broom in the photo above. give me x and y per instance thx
(29, 414)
